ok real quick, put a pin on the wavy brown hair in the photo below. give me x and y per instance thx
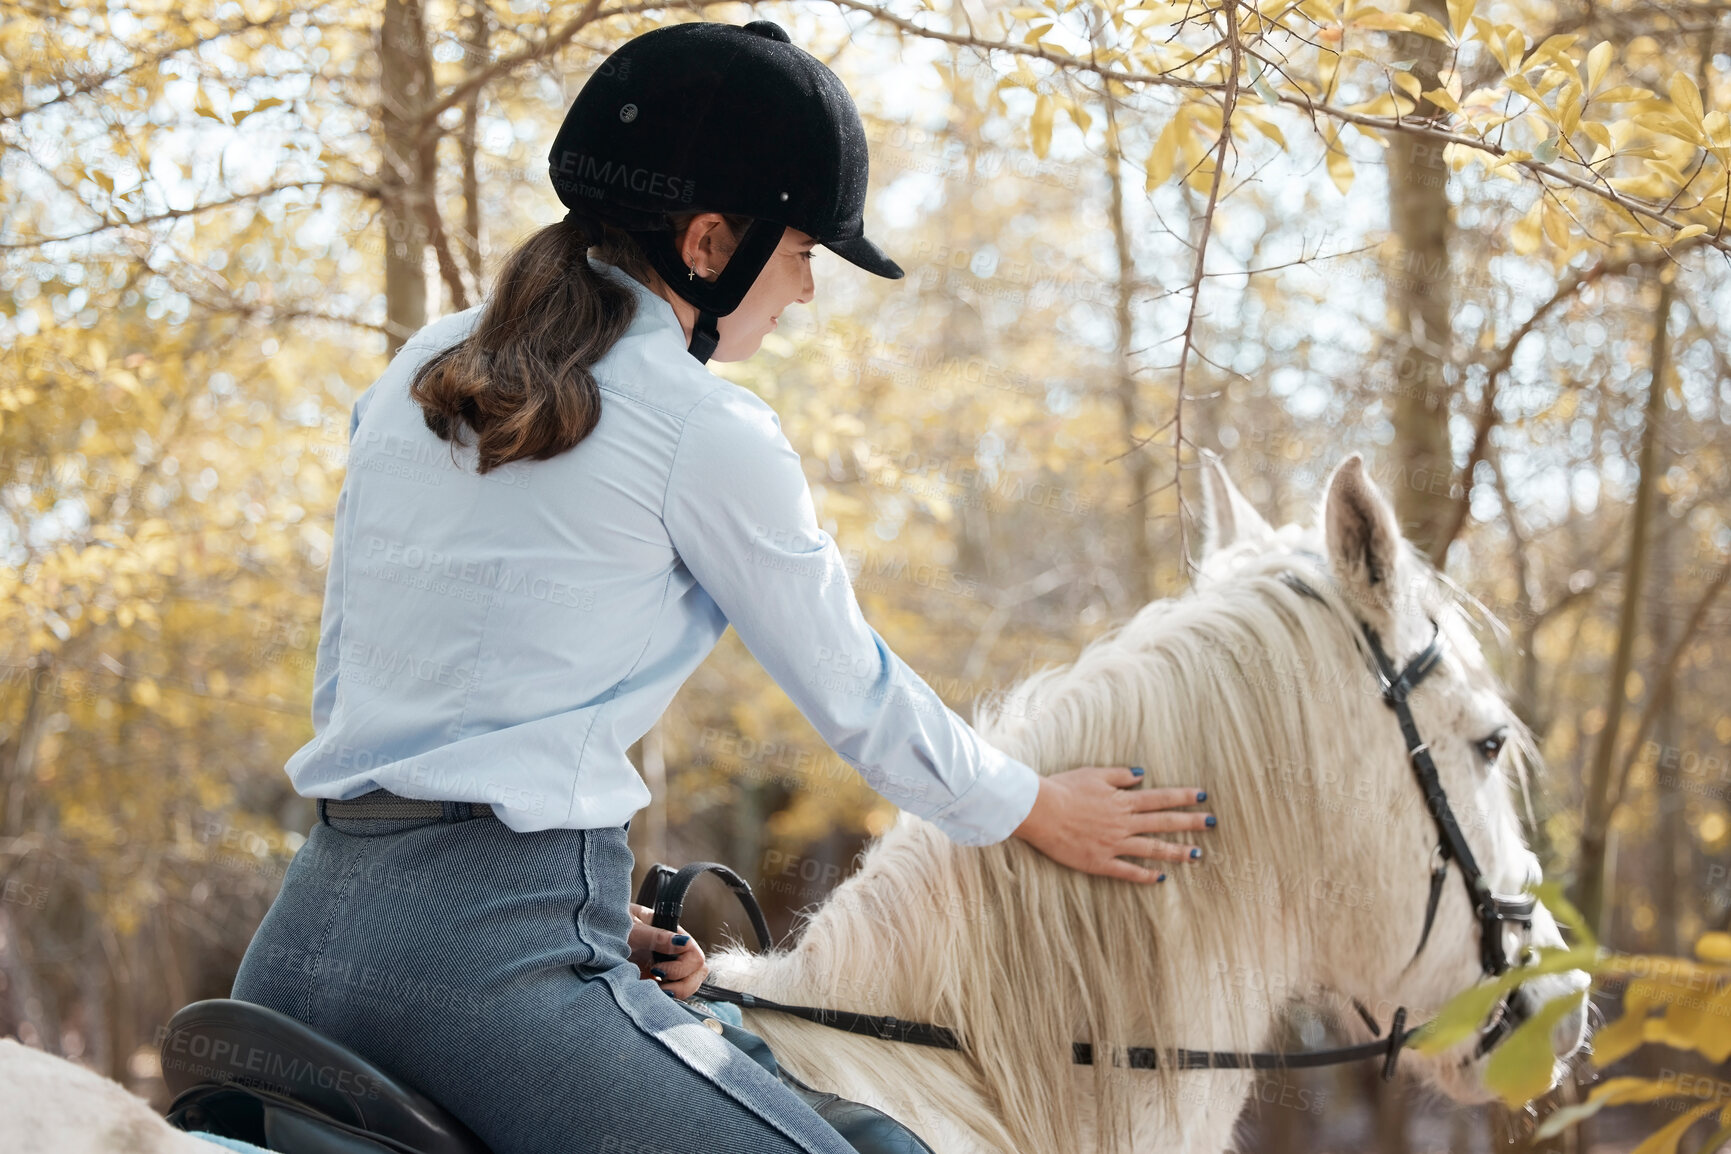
(521, 379)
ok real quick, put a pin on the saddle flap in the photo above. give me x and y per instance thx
(253, 1049)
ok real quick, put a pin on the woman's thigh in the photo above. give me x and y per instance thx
(488, 969)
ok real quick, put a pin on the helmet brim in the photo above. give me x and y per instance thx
(862, 252)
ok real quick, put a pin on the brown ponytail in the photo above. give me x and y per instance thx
(521, 379)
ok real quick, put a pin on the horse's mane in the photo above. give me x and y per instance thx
(1246, 688)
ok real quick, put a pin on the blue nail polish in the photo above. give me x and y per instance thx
(1195, 852)
(1202, 795)
(1137, 770)
(1161, 878)
(1210, 822)
(681, 939)
(658, 971)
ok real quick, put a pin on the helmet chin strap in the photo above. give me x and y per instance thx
(704, 336)
(713, 299)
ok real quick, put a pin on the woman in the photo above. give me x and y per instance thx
(552, 512)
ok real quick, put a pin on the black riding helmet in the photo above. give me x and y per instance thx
(703, 117)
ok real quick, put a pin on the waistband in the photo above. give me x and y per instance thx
(383, 805)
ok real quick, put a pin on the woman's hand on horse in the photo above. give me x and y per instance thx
(684, 973)
(1089, 819)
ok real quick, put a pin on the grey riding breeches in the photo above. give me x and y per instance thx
(489, 970)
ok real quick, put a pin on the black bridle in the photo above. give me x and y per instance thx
(664, 890)
(1490, 909)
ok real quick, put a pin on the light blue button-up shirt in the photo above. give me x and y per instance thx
(506, 638)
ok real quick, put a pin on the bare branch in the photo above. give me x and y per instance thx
(1410, 127)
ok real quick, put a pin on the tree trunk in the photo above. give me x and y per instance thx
(405, 86)
(1671, 867)
(1601, 789)
(1419, 294)
(1139, 580)
(475, 56)
(21, 765)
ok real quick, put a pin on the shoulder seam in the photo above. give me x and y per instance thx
(627, 396)
(673, 461)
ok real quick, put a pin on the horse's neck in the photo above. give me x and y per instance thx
(874, 945)
(905, 936)
(899, 937)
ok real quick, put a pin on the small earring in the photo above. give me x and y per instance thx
(692, 275)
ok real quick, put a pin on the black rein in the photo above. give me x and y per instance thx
(664, 891)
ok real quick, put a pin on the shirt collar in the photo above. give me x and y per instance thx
(653, 310)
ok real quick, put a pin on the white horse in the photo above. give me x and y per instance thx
(1312, 889)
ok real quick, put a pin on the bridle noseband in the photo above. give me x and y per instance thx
(1491, 909)
(665, 891)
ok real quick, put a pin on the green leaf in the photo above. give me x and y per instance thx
(1521, 1068)
(1459, 1019)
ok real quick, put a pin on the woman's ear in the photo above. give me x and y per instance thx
(705, 248)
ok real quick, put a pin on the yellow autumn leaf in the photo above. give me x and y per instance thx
(1460, 14)
(1040, 126)
(1569, 107)
(1259, 121)
(1665, 1141)
(1623, 94)
(1165, 153)
(1611, 1092)
(1598, 60)
(1441, 98)
(1686, 97)
(1524, 237)
(1339, 163)
(1556, 226)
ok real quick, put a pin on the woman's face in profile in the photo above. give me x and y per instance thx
(784, 280)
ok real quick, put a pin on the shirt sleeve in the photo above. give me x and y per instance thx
(325, 662)
(740, 514)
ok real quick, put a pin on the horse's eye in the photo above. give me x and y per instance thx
(1489, 747)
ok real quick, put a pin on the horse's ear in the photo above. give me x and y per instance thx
(1227, 518)
(1364, 543)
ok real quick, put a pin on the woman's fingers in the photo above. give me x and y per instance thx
(683, 974)
(1129, 871)
(1157, 849)
(1164, 821)
(1165, 797)
(683, 988)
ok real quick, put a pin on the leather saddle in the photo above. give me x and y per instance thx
(244, 1071)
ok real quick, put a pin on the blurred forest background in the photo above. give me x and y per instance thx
(1484, 244)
